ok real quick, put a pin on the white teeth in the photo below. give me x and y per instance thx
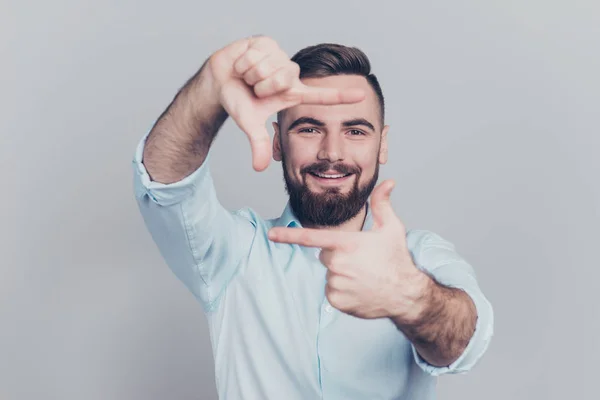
(330, 176)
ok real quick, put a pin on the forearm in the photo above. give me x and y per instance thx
(181, 138)
(445, 325)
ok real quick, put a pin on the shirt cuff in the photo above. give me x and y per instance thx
(477, 345)
(165, 194)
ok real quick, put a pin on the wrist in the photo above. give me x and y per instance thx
(199, 100)
(417, 298)
(207, 80)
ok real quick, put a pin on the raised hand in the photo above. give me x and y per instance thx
(371, 274)
(256, 79)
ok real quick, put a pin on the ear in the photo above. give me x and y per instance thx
(276, 142)
(383, 148)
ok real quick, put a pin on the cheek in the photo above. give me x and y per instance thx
(299, 156)
(368, 171)
(293, 165)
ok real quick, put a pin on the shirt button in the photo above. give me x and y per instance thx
(329, 309)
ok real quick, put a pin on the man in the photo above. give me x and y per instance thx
(334, 299)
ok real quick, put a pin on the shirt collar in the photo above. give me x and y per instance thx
(288, 219)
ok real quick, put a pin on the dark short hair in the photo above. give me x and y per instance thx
(328, 59)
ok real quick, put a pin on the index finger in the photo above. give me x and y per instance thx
(308, 237)
(328, 96)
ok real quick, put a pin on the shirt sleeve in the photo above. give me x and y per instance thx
(201, 242)
(438, 257)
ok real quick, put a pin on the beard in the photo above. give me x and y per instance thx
(330, 207)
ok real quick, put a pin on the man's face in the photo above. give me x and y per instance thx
(331, 154)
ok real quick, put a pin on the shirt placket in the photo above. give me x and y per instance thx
(327, 310)
(326, 317)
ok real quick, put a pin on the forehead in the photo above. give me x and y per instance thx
(368, 108)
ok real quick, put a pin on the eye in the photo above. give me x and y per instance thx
(356, 132)
(308, 130)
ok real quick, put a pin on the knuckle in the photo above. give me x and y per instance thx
(350, 246)
(218, 56)
(253, 56)
(247, 61)
(264, 40)
(334, 264)
(262, 71)
(261, 90)
(324, 258)
(294, 68)
(329, 291)
(266, 43)
(334, 281)
(279, 82)
(291, 78)
(333, 297)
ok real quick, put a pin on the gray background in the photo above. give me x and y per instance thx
(494, 144)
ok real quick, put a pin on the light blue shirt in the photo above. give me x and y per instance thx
(272, 331)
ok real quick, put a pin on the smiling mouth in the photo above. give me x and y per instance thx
(329, 176)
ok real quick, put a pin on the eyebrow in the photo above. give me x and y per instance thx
(319, 123)
(307, 121)
(358, 122)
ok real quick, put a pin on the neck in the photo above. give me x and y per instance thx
(355, 224)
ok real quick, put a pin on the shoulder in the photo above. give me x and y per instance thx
(430, 248)
(420, 238)
(251, 215)
(431, 251)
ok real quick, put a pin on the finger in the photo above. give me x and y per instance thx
(326, 257)
(309, 237)
(327, 96)
(337, 281)
(262, 42)
(332, 275)
(282, 80)
(260, 144)
(248, 60)
(261, 58)
(329, 260)
(329, 275)
(253, 127)
(235, 51)
(334, 297)
(267, 67)
(381, 206)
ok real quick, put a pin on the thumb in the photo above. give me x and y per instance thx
(381, 206)
(260, 143)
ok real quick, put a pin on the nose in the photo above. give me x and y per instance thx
(331, 148)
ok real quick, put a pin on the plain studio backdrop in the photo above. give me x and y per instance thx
(494, 144)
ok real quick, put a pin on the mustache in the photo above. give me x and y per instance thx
(322, 167)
